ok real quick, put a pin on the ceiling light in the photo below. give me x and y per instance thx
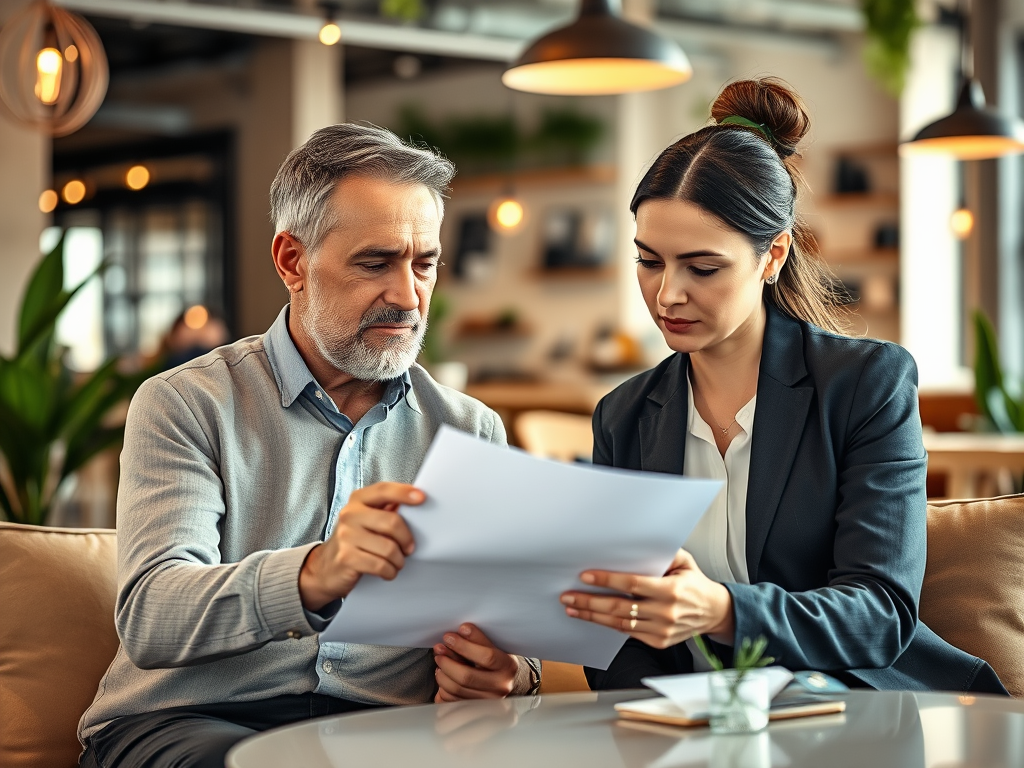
(196, 317)
(599, 53)
(962, 223)
(972, 131)
(506, 215)
(48, 201)
(73, 192)
(53, 71)
(330, 32)
(137, 177)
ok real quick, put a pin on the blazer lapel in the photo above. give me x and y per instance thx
(663, 427)
(779, 420)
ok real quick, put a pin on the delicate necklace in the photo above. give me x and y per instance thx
(724, 430)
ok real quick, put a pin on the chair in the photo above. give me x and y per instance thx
(555, 435)
(57, 637)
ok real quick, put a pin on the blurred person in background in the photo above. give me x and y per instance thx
(194, 332)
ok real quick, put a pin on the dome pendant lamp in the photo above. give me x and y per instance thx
(598, 54)
(972, 131)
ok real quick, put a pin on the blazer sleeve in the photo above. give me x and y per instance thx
(866, 615)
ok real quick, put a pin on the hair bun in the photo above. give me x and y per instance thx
(770, 102)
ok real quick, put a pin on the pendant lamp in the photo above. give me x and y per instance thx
(53, 70)
(972, 131)
(598, 54)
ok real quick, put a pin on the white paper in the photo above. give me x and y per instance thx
(502, 534)
(689, 692)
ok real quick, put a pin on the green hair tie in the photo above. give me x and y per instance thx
(761, 128)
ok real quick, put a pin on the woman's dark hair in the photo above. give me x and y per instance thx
(745, 176)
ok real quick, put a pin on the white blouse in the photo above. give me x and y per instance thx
(719, 542)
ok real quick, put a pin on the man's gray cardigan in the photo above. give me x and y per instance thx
(223, 492)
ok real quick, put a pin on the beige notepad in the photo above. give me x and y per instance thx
(662, 710)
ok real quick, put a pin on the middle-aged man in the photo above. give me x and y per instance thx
(259, 482)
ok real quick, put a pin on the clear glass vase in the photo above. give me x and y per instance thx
(738, 701)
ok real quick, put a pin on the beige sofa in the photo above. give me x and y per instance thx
(57, 590)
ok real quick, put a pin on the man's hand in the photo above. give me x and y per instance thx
(660, 611)
(369, 538)
(469, 666)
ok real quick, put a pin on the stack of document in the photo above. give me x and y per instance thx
(502, 534)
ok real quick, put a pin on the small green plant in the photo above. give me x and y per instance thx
(888, 27)
(52, 421)
(750, 655)
(999, 400)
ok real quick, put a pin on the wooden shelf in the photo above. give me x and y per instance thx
(493, 332)
(882, 149)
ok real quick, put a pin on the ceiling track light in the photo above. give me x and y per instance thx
(599, 54)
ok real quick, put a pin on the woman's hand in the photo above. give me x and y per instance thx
(663, 610)
(470, 666)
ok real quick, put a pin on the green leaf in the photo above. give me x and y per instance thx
(988, 374)
(29, 392)
(84, 404)
(44, 286)
(89, 445)
(712, 659)
(37, 341)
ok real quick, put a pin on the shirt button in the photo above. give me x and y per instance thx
(319, 395)
(294, 634)
(328, 666)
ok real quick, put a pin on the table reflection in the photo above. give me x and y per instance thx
(882, 730)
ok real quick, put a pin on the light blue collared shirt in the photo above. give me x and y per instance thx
(298, 384)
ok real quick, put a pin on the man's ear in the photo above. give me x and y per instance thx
(290, 261)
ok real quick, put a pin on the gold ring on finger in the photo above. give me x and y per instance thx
(632, 624)
(634, 612)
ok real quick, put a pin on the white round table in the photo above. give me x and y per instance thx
(878, 730)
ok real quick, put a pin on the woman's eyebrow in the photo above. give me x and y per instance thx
(687, 255)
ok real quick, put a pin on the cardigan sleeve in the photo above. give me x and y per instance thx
(866, 615)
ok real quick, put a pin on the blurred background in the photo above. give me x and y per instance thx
(167, 183)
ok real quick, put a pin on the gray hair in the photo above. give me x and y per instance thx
(306, 179)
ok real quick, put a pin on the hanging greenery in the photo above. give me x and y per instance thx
(497, 144)
(889, 25)
(402, 10)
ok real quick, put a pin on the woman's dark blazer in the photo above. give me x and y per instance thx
(835, 510)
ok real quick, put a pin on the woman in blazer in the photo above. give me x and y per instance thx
(817, 541)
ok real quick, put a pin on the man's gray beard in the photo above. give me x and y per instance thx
(352, 355)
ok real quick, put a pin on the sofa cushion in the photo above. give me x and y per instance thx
(973, 594)
(57, 637)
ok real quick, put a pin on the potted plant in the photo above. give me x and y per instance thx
(52, 421)
(999, 400)
(738, 697)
